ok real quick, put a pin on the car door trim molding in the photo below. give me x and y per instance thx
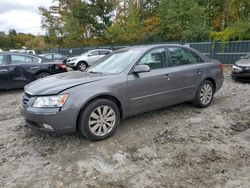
(160, 93)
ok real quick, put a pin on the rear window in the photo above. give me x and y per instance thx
(3, 60)
(20, 59)
(104, 52)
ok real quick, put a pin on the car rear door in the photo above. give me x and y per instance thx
(4, 72)
(23, 69)
(148, 91)
(102, 53)
(184, 73)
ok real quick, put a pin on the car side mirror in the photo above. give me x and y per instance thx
(141, 68)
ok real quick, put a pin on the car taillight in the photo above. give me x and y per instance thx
(62, 66)
(222, 67)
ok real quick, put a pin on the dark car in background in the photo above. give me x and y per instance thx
(55, 57)
(123, 83)
(241, 69)
(18, 69)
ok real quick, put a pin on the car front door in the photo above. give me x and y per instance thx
(93, 57)
(148, 91)
(4, 73)
(23, 69)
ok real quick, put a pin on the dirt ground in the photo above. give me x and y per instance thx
(179, 146)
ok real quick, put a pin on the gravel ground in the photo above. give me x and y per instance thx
(179, 146)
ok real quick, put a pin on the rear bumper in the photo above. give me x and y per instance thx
(52, 121)
(219, 84)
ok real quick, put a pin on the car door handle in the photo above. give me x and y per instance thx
(4, 70)
(198, 71)
(167, 77)
(33, 67)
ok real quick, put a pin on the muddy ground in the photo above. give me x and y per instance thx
(179, 146)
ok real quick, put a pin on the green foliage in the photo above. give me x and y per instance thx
(76, 23)
(238, 31)
(73, 32)
(126, 28)
(181, 20)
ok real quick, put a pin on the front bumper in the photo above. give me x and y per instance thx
(71, 63)
(51, 120)
(241, 76)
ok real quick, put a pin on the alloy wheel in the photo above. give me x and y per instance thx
(82, 66)
(206, 94)
(102, 120)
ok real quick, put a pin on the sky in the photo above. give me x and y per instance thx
(22, 15)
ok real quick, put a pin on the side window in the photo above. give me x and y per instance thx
(18, 59)
(49, 56)
(156, 59)
(94, 53)
(58, 56)
(104, 52)
(35, 60)
(182, 56)
(3, 60)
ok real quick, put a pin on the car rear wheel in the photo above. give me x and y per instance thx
(99, 120)
(204, 94)
(82, 66)
(42, 75)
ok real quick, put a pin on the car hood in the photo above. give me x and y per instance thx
(75, 57)
(243, 63)
(55, 84)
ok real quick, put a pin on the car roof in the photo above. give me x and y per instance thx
(19, 53)
(51, 53)
(100, 49)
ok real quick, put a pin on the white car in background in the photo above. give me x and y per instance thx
(86, 59)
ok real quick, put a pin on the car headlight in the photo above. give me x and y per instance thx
(237, 69)
(50, 101)
(73, 59)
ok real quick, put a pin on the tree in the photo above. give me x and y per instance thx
(127, 26)
(73, 32)
(181, 20)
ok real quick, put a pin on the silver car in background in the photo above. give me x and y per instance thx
(126, 82)
(86, 59)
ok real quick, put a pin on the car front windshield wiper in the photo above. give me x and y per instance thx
(93, 72)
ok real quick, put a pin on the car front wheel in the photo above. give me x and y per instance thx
(82, 66)
(204, 95)
(99, 120)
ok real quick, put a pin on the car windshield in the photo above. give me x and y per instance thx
(247, 56)
(116, 62)
(85, 52)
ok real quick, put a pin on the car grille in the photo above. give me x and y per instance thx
(26, 98)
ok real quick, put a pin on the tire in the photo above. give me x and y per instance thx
(204, 95)
(99, 120)
(82, 66)
(42, 75)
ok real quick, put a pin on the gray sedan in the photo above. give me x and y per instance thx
(124, 83)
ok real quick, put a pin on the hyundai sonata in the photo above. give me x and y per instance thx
(124, 83)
